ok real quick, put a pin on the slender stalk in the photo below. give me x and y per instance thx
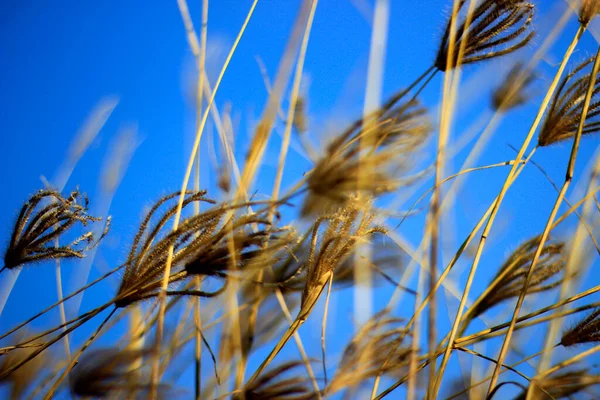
(548, 227)
(363, 301)
(415, 317)
(324, 327)
(298, 321)
(488, 378)
(503, 191)
(525, 323)
(77, 355)
(298, 340)
(570, 361)
(196, 145)
(34, 354)
(199, 50)
(574, 258)
(416, 334)
(451, 80)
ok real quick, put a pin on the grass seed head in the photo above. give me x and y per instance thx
(512, 92)
(562, 120)
(375, 350)
(562, 385)
(107, 373)
(588, 10)
(367, 158)
(22, 379)
(497, 27)
(146, 261)
(43, 219)
(273, 384)
(343, 231)
(514, 274)
(586, 331)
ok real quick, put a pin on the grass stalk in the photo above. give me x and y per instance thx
(548, 227)
(162, 295)
(503, 191)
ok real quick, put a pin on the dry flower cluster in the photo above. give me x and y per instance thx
(252, 272)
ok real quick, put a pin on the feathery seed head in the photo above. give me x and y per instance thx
(275, 385)
(588, 10)
(44, 218)
(512, 92)
(497, 27)
(367, 158)
(513, 274)
(561, 385)
(107, 373)
(376, 349)
(562, 120)
(586, 331)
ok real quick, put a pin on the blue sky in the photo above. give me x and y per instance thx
(59, 59)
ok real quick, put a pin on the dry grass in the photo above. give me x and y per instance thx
(262, 267)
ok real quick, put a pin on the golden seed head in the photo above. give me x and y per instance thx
(588, 10)
(497, 27)
(564, 114)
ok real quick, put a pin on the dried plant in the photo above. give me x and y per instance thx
(290, 274)
(241, 278)
(563, 385)
(562, 120)
(586, 331)
(508, 282)
(273, 385)
(379, 151)
(588, 10)
(270, 322)
(22, 380)
(497, 27)
(44, 218)
(513, 92)
(375, 350)
(110, 373)
(345, 230)
(145, 264)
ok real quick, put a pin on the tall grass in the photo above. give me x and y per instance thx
(218, 282)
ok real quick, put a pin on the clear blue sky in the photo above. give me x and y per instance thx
(57, 60)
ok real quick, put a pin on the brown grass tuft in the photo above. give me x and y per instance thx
(497, 27)
(274, 385)
(586, 331)
(562, 120)
(395, 134)
(45, 217)
(375, 350)
(513, 92)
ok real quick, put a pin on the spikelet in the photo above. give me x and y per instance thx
(562, 120)
(514, 273)
(586, 331)
(200, 247)
(274, 385)
(45, 217)
(345, 229)
(376, 349)
(588, 10)
(393, 136)
(146, 262)
(497, 27)
(22, 379)
(290, 274)
(562, 385)
(108, 373)
(512, 92)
